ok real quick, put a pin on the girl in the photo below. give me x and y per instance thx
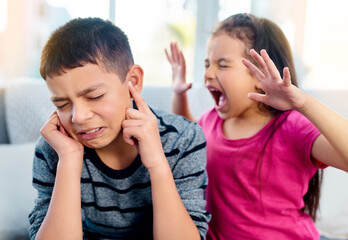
(266, 139)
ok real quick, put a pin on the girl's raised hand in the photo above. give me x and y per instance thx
(177, 61)
(279, 93)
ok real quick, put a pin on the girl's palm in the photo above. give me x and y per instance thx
(177, 61)
(279, 93)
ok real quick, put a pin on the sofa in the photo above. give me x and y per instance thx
(25, 106)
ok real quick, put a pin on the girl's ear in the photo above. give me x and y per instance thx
(135, 75)
(257, 85)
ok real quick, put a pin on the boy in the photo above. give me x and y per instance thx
(107, 168)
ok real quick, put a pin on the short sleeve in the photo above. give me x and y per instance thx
(303, 133)
(191, 177)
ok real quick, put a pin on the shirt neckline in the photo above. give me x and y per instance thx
(242, 141)
(92, 155)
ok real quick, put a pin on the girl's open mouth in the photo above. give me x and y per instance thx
(218, 96)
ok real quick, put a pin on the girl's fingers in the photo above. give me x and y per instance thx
(169, 58)
(174, 49)
(271, 67)
(258, 97)
(182, 59)
(257, 57)
(253, 69)
(286, 76)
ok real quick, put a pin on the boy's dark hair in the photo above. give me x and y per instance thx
(86, 40)
(260, 33)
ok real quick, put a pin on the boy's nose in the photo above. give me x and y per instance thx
(80, 114)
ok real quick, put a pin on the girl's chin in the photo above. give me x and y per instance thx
(223, 109)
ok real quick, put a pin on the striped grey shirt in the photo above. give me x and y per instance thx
(117, 204)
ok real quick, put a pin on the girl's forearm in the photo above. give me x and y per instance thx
(332, 125)
(180, 105)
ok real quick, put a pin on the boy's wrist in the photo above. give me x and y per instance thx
(160, 170)
(72, 164)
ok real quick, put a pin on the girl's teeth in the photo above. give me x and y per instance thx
(92, 131)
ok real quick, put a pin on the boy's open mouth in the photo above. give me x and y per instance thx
(218, 96)
(90, 134)
(91, 131)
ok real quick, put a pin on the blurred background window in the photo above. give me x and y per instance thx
(3, 15)
(316, 30)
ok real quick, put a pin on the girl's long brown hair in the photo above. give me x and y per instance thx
(261, 33)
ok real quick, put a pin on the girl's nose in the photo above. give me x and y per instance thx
(209, 74)
(81, 113)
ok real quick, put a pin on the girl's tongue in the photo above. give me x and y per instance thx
(222, 100)
(218, 96)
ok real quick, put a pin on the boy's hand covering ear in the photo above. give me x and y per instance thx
(140, 129)
(55, 134)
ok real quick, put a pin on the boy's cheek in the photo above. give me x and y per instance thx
(64, 121)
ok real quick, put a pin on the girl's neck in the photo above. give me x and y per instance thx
(118, 154)
(245, 127)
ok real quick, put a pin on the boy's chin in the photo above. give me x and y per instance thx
(97, 145)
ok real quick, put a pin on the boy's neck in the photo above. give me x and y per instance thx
(118, 154)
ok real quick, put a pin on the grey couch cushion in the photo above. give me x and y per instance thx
(160, 97)
(27, 109)
(3, 129)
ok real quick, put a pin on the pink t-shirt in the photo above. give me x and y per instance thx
(256, 185)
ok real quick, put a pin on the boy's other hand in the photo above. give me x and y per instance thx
(140, 129)
(177, 61)
(59, 139)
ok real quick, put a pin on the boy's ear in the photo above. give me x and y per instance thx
(135, 75)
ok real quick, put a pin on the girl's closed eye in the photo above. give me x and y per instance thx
(223, 63)
(206, 64)
(223, 66)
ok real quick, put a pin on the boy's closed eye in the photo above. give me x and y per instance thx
(60, 104)
(60, 107)
(95, 98)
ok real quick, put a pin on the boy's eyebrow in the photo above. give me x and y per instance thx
(79, 94)
(90, 89)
